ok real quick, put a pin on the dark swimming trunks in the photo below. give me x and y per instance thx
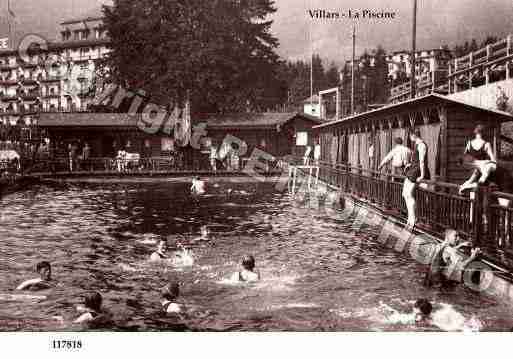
(413, 171)
(479, 154)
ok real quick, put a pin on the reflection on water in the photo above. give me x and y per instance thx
(318, 272)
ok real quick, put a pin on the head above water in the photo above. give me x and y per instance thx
(162, 245)
(398, 141)
(452, 236)
(44, 269)
(424, 307)
(248, 262)
(93, 301)
(171, 291)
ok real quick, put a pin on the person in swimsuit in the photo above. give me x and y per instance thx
(479, 148)
(160, 253)
(415, 172)
(169, 295)
(91, 310)
(248, 273)
(43, 282)
(446, 255)
(197, 186)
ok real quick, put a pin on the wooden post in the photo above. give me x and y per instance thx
(442, 116)
(487, 69)
(477, 216)
(455, 87)
(470, 63)
(449, 87)
(508, 52)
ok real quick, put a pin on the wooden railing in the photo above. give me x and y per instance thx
(145, 165)
(497, 54)
(481, 218)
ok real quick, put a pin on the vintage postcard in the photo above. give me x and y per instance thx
(179, 166)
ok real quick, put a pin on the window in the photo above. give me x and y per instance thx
(302, 139)
(76, 35)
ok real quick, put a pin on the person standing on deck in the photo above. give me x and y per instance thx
(317, 153)
(306, 157)
(415, 172)
(400, 157)
(371, 154)
(213, 157)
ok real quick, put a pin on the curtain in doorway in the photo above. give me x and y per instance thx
(430, 134)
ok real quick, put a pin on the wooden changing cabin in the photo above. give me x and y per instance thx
(445, 125)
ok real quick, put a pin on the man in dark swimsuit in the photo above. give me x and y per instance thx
(415, 172)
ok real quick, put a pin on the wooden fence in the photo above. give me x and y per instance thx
(481, 218)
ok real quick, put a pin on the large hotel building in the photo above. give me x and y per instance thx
(60, 77)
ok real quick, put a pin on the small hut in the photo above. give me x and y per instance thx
(445, 125)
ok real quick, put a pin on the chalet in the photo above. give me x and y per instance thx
(276, 133)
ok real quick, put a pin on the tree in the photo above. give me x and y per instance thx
(221, 52)
(332, 76)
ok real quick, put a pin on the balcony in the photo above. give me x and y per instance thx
(9, 112)
(8, 82)
(29, 65)
(30, 96)
(29, 82)
(52, 78)
(55, 94)
(9, 98)
(8, 67)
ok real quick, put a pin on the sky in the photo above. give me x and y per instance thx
(439, 22)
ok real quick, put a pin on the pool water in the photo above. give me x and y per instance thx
(320, 271)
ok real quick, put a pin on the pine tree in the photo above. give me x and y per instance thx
(221, 52)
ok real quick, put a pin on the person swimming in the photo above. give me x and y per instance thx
(445, 256)
(422, 310)
(204, 235)
(170, 293)
(92, 308)
(445, 317)
(248, 273)
(43, 282)
(198, 186)
(160, 253)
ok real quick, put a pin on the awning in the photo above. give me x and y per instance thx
(8, 155)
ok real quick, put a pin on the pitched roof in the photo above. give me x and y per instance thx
(253, 120)
(93, 14)
(412, 103)
(223, 121)
(313, 98)
(87, 119)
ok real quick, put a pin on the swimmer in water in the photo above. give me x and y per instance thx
(92, 309)
(160, 253)
(169, 295)
(197, 186)
(445, 317)
(423, 309)
(248, 273)
(204, 235)
(445, 255)
(43, 282)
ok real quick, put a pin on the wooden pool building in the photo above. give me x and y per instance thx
(445, 125)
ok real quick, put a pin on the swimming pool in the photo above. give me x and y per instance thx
(319, 271)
